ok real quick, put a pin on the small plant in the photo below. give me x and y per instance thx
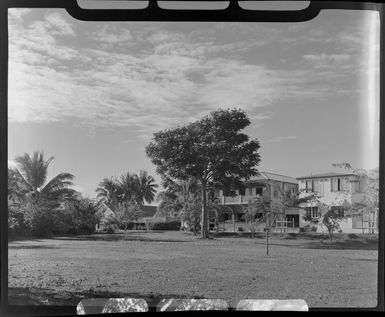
(110, 228)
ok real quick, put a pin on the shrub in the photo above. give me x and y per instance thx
(16, 222)
(126, 213)
(353, 236)
(164, 225)
(78, 217)
(39, 218)
(109, 228)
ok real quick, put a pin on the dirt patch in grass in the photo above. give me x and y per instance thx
(156, 265)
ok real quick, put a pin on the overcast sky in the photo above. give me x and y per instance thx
(91, 94)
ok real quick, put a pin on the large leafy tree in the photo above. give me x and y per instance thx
(213, 150)
(29, 179)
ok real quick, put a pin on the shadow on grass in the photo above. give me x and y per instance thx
(31, 247)
(326, 245)
(274, 235)
(344, 245)
(48, 297)
(257, 235)
(114, 238)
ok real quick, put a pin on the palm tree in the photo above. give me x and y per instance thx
(108, 191)
(128, 188)
(31, 173)
(16, 190)
(146, 188)
(182, 197)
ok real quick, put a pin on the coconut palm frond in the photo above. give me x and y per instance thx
(164, 195)
(33, 169)
(128, 187)
(17, 185)
(60, 181)
(60, 194)
(146, 187)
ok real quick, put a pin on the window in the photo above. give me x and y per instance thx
(309, 186)
(337, 185)
(316, 186)
(250, 191)
(258, 191)
(242, 191)
(275, 193)
(338, 210)
(345, 184)
(312, 212)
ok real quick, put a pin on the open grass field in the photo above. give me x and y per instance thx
(155, 265)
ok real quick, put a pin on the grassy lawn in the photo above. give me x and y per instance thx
(154, 265)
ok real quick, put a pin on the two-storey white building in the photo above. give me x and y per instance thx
(335, 190)
(270, 186)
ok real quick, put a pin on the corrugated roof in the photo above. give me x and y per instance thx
(275, 177)
(330, 174)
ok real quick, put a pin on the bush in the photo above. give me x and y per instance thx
(39, 219)
(84, 217)
(353, 236)
(165, 225)
(16, 222)
(109, 228)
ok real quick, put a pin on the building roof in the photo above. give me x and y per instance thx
(323, 175)
(275, 177)
(148, 211)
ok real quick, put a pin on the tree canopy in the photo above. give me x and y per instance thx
(129, 187)
(29, 180)
(213, 150)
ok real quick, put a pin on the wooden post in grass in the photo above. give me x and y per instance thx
(267, 221)
(234, 220)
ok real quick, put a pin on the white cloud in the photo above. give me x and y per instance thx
(326, 60)
(58, 25)
(172, 81)
(283, 138)
(15, 15)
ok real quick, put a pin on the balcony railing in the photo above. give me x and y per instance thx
(240, 199)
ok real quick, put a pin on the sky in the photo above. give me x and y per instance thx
(92, 94)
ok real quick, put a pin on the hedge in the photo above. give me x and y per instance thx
(164, 225)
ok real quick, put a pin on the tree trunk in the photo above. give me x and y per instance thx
(204, 230)
(252, 228)
(217, 221)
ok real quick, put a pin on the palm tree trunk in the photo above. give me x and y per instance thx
(204, 230)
